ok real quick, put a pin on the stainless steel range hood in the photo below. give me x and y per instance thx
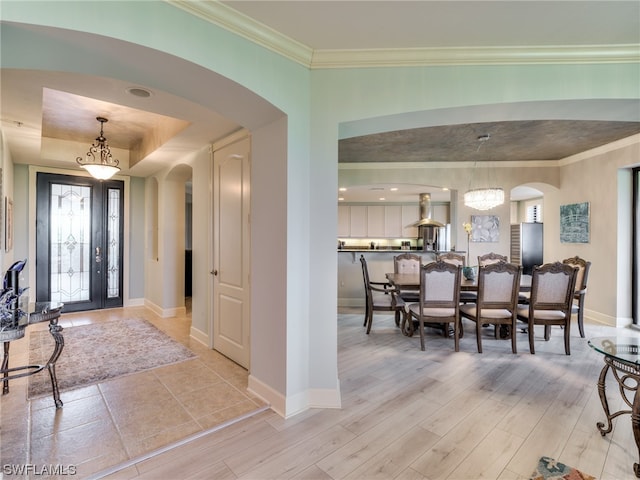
(426, 219)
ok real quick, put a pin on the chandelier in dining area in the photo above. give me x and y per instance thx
(484, 198)
(99, 162)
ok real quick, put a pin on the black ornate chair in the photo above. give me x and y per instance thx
(380, 297)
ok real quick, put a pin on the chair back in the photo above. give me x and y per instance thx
(552, 287)
(490, 258)
(451, 258)
(367, 284)
(498, 286)
(440, 285)
(583, 267)
(408, 263)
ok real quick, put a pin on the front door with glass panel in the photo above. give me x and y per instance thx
(79, 241)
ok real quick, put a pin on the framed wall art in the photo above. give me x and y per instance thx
(574, 223)
(485, 228)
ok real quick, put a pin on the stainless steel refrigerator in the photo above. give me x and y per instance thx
(526, 245)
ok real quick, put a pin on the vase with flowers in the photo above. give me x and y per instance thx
(468, 271)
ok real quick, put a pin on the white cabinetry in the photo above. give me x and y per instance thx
(344, 221)
(393, 221)
(358, 221)
(375, 221)
(410, 215)
(384, 221)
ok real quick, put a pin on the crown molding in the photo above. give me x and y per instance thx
(246, 27)
(258, 33)
(579, 54)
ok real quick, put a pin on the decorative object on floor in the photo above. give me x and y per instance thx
(97, 352)
(99, 162)
(550, 469)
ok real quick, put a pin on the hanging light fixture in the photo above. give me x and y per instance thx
(483, 198)
(99, 161)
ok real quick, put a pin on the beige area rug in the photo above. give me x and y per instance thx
(97, 352)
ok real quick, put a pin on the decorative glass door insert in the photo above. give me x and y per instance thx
(70, 263)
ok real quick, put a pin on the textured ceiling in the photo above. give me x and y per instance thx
(509, 141)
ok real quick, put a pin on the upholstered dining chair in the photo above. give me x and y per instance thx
(380, 297)
(497, 303)
(552, 290)
(439, 303)
(490, 258)
(457, 259)
(451, 257)
(408, 263)
(577, 306)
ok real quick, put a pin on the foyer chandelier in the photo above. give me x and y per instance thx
(483, 198)
(99, 162)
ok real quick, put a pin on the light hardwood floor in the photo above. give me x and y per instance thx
(408, 414)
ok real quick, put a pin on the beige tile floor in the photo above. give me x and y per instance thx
(111, 423)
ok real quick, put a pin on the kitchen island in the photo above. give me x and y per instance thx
(379, 263)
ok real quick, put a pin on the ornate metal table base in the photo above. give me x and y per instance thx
(627, 375)
(27, 370)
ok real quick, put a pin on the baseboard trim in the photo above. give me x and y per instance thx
(166, 312)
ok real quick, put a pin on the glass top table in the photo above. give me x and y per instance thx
(624, 348)
(622, 359)
(13, 328)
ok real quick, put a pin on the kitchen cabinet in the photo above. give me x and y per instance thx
(384, 221)
(393, 221)
(375, 221)
(358, 221)
(410, 215)
(344, 221)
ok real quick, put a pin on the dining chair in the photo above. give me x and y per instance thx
(451, 257)
(439, 300)
(577, 305)
(552, 290)
(497, 303)
(408, 263)
(490, 258)
(457, 259)
(380, 297)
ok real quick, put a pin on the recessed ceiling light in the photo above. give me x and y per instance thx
(342, 189)
(340, 199)
(394, 189)
(382, 198)
(139, 92)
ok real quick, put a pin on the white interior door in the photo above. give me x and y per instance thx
(231, 292)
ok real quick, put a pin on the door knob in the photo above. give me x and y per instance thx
(214, 273)
(98, 255)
